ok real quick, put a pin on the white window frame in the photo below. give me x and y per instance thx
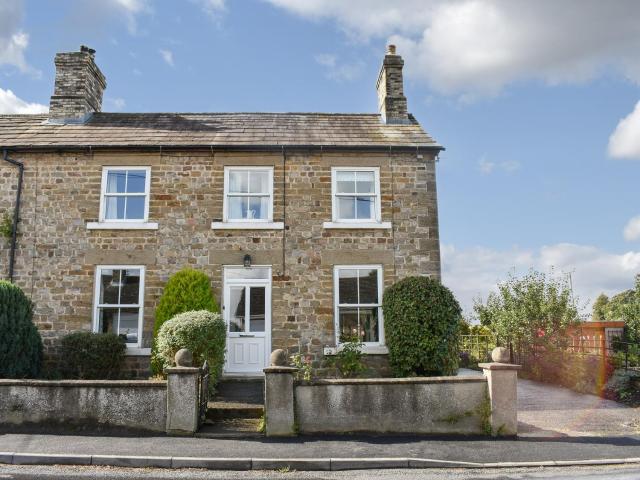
(225, 202)
(140, 305)
(377, 220)
(104, 195)
(369, 347)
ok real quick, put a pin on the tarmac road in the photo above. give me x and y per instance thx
(627, 472)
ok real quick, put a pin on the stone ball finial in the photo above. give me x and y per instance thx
(500, 355)
(278, 358)
(184, 358)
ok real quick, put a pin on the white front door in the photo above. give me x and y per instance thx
(247, 313)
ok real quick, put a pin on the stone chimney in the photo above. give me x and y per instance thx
(392, 104)
(78, 88)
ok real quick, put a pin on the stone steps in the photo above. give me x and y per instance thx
(236, 409)
(233, 410)
(231, 428)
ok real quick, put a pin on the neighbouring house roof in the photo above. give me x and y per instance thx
(234, 130)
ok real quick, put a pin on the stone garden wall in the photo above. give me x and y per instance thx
(83, 405)
(390, 405)
(462, 405)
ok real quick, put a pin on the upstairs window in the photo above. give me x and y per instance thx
(125, 194)
(358, 309)
(248, 194)
(356, 194)
(119, 302)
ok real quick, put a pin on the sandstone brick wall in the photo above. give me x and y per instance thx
(57, 255)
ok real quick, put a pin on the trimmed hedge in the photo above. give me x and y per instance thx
(202, 332)
(92, 356)
(421, 324)
(186, 291)
(20, 342)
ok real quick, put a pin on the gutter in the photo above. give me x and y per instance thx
(16, 211)
(276, 148)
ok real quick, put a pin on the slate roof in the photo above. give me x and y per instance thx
(213, 129)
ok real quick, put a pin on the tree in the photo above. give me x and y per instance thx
(599, 312)
(421, 324)
(530, 311)
(20, 342)
(630, 312)
(187, 290)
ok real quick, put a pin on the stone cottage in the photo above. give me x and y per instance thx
(301, 220)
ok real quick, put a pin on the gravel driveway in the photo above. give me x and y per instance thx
(551, 411)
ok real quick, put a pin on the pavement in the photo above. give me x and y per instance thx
(559, 427)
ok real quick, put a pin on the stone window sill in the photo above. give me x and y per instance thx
(137, 351)
(368, 349)
(247, 225)
(357, 225)
(122, 226)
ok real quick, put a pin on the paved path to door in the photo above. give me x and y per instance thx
(548, 410)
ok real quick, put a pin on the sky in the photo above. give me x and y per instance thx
(537, 104)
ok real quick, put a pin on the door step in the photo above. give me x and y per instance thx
(233, 410)
(231, 428)
(240, 390)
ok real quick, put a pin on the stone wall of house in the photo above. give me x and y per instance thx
(57, 255)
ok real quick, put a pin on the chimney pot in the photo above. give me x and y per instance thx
(391, 49)
(78, 87)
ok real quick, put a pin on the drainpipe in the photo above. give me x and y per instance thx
(16, 211)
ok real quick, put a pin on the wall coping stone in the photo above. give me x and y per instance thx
(276, 369)
(84, 383)
(182, 370)
(499, 366)
(396, 381)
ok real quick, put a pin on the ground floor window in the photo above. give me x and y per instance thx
(119, 293)
(357, 297)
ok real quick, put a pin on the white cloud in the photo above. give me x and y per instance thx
(624, 142)
(632, 229)
(130, 9)
(487, 167)
(214, 8)
(474, 272)
(167, 56)
(477, 47)
(9, 103)
(13, 41)
(337, 71)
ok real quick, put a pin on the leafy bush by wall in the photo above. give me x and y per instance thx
(186, 290)
(421, 324)
(92, 356)
(20, 342)
(203, 332)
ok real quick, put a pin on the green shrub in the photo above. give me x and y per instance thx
(202, 332)
(186, 291)
(92, 356)
(20, 342)
(421, 324)
(348, 359)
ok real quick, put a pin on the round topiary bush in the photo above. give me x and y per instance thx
(202, 332)
(186, 291)
(20, 342)
(421, 325)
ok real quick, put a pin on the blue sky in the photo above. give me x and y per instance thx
(526, 97)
